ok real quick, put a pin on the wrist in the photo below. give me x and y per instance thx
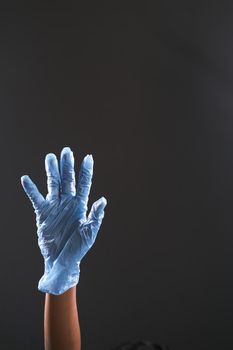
(69, 294)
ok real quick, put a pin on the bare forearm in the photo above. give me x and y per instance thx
(61, 323)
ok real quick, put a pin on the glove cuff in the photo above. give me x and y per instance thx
(59, 279)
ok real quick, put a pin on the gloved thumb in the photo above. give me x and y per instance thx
(96, 216)
(32, 191)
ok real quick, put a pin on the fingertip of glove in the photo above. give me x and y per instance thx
(67, 154)
(101, 203)
(50, 156)
(66, 149)
(25, 182)
(24, 178)
(104, 200)
(88, 161)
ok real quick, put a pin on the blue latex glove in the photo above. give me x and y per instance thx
(65, 232)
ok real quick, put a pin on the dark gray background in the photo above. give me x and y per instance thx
(146, 87)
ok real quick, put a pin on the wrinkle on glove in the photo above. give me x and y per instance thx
(65, 233)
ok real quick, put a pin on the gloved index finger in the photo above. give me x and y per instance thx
(85, 180)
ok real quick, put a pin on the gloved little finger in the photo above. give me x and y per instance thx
(32, 191)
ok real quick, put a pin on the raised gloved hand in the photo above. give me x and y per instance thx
(65, 232)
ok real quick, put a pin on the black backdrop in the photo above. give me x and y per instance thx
(146, 87)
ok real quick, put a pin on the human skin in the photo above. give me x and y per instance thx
(61, 322)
